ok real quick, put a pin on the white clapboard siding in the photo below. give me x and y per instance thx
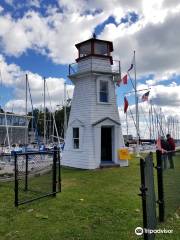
(86, 110)
(94, 63)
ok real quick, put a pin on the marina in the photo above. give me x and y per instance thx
(89, 120)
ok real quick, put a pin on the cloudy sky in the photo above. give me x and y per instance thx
(38, 37)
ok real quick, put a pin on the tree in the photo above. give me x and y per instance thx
(37, 122)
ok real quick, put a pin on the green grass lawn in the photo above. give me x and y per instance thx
(94, 205)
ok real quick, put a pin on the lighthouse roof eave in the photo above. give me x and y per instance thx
(96, 40)
(104, 119)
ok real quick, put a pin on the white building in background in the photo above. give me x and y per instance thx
(94, 131)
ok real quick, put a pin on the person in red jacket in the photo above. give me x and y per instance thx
(171, 149)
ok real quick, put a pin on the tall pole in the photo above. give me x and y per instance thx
(26, 111)
(152, 121)
(173, 127)
(157, 125)
(137, 111)
(150, 130)
(168, 124)
(126, 124)
(7, 130)
(65, 113)
(53, 124)
(44, 110)
(156, 133)
(161, 122)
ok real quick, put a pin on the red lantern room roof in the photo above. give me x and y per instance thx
(94, 47)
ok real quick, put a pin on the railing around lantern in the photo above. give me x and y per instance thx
(89, 65)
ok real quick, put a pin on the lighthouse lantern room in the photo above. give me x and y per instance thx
(94, 133)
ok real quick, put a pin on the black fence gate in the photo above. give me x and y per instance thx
(37, 175)
(148, 197)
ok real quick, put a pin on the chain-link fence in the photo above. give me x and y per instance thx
(37, 174)
(6, 168)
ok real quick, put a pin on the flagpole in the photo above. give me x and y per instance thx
(137, 111)
(44, 110)
(126, 124)
(65, 113)
(150, 130)
(152, 120)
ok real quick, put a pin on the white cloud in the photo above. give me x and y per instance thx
(34, 3)
(56, 33)
(10, 73)
(155, 37)
(10, 2)
(164, 95)
(13, 76)
(1, 9)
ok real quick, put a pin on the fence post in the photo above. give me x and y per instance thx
(16, 180)
(26, 174)
(59, 169)
(160, 185)
(54, 171)
(143, 190)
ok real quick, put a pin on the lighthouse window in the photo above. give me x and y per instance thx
(101, 48)
(103, 95)
(76, 138)
(85, 49)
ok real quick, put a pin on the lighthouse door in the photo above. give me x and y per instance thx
(106, 143)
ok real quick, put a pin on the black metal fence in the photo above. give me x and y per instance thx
(148, 196)
(37, 175)
(168, 178)
(167, 195)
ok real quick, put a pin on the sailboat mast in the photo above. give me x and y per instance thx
(150, 128)
(26, 128)
(65, 113)
(44, 110)
(7, 130)
(152, 119)
(136, 103)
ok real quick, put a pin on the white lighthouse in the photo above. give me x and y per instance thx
(94, 133)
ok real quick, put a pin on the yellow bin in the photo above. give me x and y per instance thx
(123, 154)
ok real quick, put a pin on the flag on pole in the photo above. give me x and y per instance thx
(118, 82)
(126, 104)
(131, 67)
(145, 96)
(125, 79)
(132, 63)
